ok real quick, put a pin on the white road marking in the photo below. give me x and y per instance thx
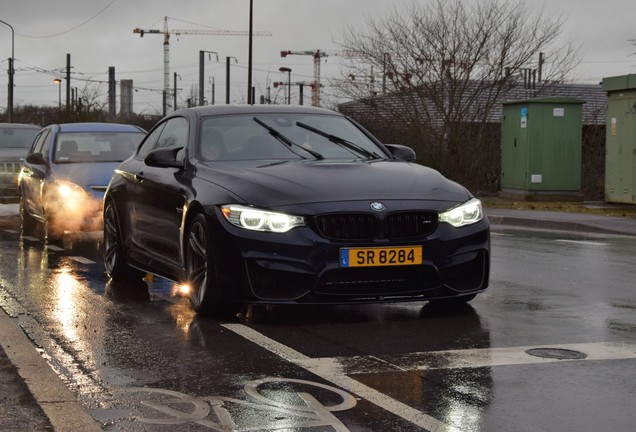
(54, 248)
(33, 239)
(484, 357)
(582, 242)
(337, 369)
(333, 374)
(215, 412)
(82, 260)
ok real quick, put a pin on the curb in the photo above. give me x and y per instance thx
(60, 405)
(553, 225)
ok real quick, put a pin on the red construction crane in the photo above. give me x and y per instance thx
(166, 43)
(315, 88)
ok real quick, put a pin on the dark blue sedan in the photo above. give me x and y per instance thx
(63, 179)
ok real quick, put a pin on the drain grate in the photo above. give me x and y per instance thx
(556, 353)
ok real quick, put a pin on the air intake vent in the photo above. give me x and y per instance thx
(348, 226)
(414, 224)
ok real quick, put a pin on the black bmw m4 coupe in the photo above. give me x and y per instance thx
(290, 204)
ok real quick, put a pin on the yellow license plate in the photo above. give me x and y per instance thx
(380, 256)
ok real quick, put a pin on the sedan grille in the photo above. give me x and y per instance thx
(361, 226)
(415, 224)
(348, 226)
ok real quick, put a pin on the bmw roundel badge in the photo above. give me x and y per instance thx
(377, 206)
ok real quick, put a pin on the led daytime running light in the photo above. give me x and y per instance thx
(260, 220)
(464, 214)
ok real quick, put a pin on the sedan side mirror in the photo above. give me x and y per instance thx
(36, 159)
(164, 157)
(402, 152)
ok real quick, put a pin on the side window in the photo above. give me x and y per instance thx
(40, 140)
(46, 145)
(150, 142)
(175, 134)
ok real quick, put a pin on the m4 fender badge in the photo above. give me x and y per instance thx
(377, 206)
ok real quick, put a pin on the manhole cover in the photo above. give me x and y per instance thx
(556, 353)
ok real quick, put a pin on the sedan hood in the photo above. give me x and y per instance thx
(86, 174)
(292, 183)
(13, 154)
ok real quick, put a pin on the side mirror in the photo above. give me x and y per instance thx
(164, 157)
(36, 159)
(402, 152)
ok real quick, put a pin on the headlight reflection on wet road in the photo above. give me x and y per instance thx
(66, 287)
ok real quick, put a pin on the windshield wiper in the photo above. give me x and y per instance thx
(283, 139)
(341, 141)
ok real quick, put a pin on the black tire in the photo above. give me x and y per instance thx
(114, 258)
(201, 270)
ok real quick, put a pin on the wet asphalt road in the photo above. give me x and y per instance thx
(550, 347)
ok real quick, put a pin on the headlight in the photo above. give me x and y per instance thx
(67, 191)
(464, 214)
(260, 220)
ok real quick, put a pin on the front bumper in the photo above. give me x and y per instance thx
(79, 213)
(302, 267)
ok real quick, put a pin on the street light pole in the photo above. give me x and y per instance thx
(227, 78)
(201, 72)
(288, 70)
(11, 71)
(58, 82)
(250, 100)
(212, 92)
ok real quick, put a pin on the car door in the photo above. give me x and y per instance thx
(158, 196)
(34, 175)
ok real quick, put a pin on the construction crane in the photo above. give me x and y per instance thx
(315, 88)
(166, 44)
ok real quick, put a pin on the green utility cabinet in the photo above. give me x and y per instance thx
(541, 148)
(620, 142)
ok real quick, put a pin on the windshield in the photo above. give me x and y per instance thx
(11, 137)
(95, 146)
(240, 137)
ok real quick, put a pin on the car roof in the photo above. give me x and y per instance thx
(19, 126)
(97, 127)
(254, 109)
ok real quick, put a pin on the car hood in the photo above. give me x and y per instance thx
(291, 183)
(13, 154)
(86, 174)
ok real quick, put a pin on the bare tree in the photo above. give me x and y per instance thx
(91, 98)
(433, 75)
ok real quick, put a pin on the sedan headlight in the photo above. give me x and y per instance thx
(68, 200)
(464, 214)
(260, 220)
(68, 191)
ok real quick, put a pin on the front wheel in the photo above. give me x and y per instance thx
(200, 268)
(114, 259)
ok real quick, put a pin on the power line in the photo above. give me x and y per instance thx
(72, 28)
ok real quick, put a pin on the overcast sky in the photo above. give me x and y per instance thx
(99, 34)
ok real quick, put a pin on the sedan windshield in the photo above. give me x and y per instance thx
(17, 137)
(95, 146)
(240, 137)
